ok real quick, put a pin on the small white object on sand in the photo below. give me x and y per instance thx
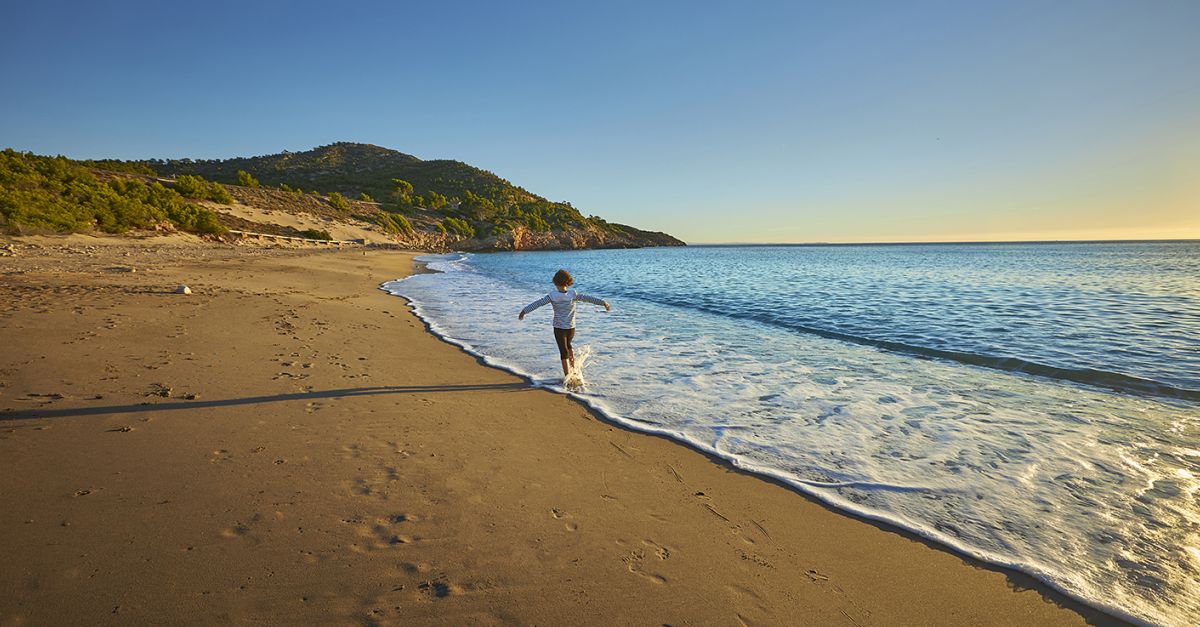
(183, 289)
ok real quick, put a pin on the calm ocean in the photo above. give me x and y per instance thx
(1034, 405)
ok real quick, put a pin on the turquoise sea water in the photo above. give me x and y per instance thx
(1033, 405)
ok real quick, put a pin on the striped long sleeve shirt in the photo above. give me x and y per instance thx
(564, 306)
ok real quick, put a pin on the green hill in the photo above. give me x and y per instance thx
(425, 205)
(491, 206)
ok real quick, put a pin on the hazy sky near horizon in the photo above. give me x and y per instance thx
(714, 121)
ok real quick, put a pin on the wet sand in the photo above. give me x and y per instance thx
(288, 444)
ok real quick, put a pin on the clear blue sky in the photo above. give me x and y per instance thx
(715, 121)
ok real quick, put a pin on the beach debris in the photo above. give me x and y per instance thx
(125, 429)
(129, 269)
(49, 398)
(183, 289)
(158, 389)
(192, 397)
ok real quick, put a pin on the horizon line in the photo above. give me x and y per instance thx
(928, 242)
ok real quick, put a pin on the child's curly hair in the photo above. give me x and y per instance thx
(562, 278)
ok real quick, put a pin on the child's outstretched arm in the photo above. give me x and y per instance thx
(545, 300)
(593, 300)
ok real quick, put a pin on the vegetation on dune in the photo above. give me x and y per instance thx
(55, 194)
(315, 234)
(392, 223)
(200, 189)
(339, 202)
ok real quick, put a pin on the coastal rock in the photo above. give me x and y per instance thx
(521, 238)
(183, 289)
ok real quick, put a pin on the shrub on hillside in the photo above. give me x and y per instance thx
(198, 188)
(339, 202)
(116, 165)
(191, 217)
(434, 200)
(315, 234)
(392, 223)
(477, 207)
(246, 180)
(402, 192)
(458, 227)
(402, 223)
(51, 193)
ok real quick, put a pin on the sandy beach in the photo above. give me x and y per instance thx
(289, 444)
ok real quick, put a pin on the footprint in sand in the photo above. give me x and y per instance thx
(568, 524)
(635, 561)
(387, 530)
(435, 589)
(660, 551)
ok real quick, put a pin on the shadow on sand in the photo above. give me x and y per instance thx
(29, 414)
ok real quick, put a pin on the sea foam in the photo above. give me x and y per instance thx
(1091, 491)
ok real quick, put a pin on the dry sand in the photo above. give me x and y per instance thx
(289, 445)
(338, 229)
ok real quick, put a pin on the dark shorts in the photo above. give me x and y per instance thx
(563, 338)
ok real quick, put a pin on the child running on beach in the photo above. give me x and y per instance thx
(563, 301)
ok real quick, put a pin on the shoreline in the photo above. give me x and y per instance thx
(770, 475)
(404, 484)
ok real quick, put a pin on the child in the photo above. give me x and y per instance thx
(563, 301)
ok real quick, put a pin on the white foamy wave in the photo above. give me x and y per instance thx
(1077, 487)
